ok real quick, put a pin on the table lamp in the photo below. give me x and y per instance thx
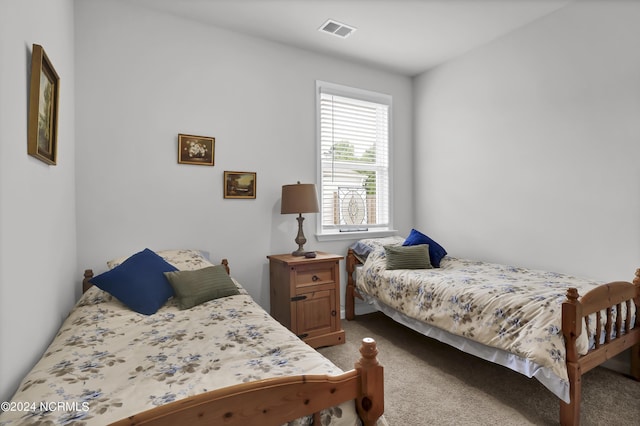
(299, 198)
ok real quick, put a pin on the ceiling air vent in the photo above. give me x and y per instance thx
(336, 28)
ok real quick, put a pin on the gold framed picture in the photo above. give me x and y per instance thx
(240, 185)
(198, 150)
(44, 94)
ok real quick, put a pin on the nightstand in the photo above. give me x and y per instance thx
(305, 296)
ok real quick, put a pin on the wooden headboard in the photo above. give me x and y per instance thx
(88, 274)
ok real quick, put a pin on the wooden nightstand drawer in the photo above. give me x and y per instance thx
(315, 274)
(305, 296)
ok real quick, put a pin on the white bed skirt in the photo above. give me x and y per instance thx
(497, 356)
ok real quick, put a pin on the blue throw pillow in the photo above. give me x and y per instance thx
(139, 282)
(436, 251)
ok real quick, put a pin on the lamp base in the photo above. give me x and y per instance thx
(300, 239)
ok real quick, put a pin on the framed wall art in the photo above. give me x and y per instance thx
(44, 94)
(198, 150)
(239, 185)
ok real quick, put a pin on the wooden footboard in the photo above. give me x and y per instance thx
(611, 303)
(278, 400)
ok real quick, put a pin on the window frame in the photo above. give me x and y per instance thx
(323, 234)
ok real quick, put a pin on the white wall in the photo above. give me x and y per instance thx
(527, 149)
(143, 77)
(38, 273)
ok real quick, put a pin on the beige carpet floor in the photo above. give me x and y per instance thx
(430, 383)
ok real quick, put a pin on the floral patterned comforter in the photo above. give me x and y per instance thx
(108, 362)
(513, 309)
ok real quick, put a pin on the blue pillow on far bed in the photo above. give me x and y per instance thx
(436, 251)
(139, 282)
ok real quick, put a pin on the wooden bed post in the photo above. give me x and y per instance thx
(571, 329)
(350, 292)
(370, 402)
(635, 349)
(86, 285)
(349, 300)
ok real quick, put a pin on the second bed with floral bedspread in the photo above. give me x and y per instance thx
(515, 311)
(110, 362)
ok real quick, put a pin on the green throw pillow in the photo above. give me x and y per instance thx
(408, 257)
(195, 287)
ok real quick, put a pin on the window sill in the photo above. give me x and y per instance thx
(357, 235)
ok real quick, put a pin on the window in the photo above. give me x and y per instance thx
(353, 135)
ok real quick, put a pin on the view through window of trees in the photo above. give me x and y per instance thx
(354, 161)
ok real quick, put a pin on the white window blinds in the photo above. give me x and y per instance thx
(354, 160)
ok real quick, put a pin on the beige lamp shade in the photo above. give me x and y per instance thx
(299, 198)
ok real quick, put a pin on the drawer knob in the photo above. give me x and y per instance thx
(333, 313)
(315, 278)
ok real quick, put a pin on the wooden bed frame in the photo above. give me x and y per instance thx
(277, 400)
(607, 297)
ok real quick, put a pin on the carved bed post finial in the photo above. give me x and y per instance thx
(369, 352)
(86, 285)
(636, 280)
(572, 295)
(571, 323)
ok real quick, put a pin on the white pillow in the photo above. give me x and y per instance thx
(184, 260)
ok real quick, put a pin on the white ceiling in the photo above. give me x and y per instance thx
(403, 36)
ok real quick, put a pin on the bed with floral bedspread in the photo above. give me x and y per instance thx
(508, 315)
(108, 362)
